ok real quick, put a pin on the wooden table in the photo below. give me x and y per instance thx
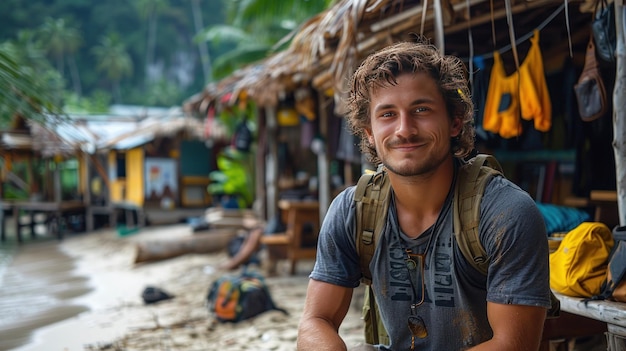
(580, 318)
(299, 241)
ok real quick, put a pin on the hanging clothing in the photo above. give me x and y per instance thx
(523, 93)
(480, 85)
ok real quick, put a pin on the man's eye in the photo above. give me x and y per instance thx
(421, 109)
(387, 114)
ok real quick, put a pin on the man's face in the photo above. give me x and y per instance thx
(410, 127)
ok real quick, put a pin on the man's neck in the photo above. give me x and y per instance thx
(419, 199)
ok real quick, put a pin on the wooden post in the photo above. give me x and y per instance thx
(56, 178)
(260, 174)
(323, 163)
(271, 161)
(619, 111)
(439, 31)
(89, 215)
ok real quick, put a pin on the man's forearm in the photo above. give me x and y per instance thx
(319, 335)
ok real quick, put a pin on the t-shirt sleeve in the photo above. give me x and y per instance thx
(337, 260)
(514, 235)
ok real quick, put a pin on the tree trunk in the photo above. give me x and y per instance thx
(75, 75)
(205, 58)
(151, 45)
(619, 111)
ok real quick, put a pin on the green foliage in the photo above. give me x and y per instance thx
(238, 57)
(65, 33)
(99, 102)
(254, 27)
(112, 58)
(234, 177)
(59, 39)
(231, 116)
(25, 91)
(163, 93)
(158, 42)
(13, 193)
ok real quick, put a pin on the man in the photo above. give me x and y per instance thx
(412, 109)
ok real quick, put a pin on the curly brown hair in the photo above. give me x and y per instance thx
(383, 67)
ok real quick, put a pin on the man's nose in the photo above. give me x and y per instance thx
(406, 125)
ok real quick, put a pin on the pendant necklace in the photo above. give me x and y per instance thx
(415, 264)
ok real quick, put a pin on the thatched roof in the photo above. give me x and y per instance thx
(327, 48)
(91, 133)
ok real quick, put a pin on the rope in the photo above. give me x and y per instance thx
(526, 36)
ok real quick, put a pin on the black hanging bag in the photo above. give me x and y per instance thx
(603, 29)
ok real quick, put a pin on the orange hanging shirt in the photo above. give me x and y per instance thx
(524, 93)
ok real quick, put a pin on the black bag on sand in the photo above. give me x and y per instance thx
(153, 294)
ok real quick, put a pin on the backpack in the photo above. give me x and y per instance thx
(614, 285)
(234, 298)
(372, 201)
(242, 140)
(579, 266)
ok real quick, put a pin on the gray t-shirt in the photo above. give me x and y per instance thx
(454, 310)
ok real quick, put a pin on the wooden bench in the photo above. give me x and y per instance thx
(299, 241)
(581, 318)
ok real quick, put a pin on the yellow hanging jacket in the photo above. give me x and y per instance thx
(524, 91)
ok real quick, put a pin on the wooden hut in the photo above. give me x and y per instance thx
(326, 49)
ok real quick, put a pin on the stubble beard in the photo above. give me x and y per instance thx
(412, 167)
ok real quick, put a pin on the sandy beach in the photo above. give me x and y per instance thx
(87, 296)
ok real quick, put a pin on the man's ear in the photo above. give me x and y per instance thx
(370, 136)
(456, 127)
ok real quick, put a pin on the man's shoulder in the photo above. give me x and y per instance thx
(347, 193)
(343, 200)
(501, 185)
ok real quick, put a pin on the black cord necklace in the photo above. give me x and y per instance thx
(415, 264)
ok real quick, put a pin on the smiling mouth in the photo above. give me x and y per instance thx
(402, 147)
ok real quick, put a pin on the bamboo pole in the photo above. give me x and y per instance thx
(439, 30)
(619, 111)
(271, 162)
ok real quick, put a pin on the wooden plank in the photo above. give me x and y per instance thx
(605, 311)
(275, 239)
(603, 196)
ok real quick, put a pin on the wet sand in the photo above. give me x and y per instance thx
(85, 294)
(37, 289)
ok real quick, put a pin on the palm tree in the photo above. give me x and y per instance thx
(205, 58)
(114, 61)
(254, 27)
(149, 11)
(26, 91)
(61, 42)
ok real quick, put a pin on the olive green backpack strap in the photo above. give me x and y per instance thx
(470, 186)
(472, 179)
(372, 201)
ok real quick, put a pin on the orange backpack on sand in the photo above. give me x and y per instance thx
(233, 298)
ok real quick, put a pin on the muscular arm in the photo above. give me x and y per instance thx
(325, 307)
(515, 327)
